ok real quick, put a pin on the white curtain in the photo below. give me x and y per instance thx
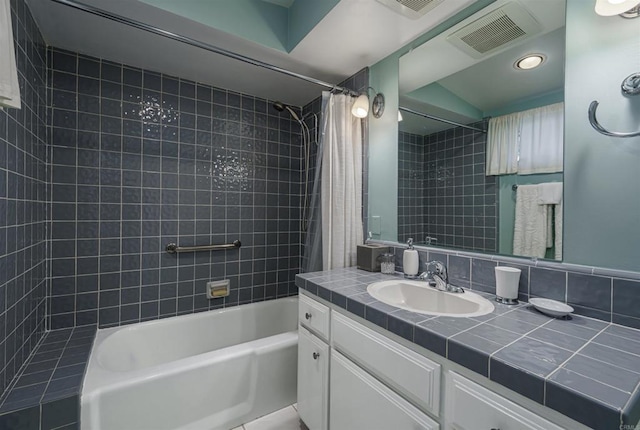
(541, 137)
(341, 186)
(9, 88)
(502, 149)
(526, 142)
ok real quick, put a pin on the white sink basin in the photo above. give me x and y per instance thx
(417, 296)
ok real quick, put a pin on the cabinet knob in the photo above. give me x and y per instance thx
(316, 355)
(307, 315)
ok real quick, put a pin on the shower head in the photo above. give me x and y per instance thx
(279, 106)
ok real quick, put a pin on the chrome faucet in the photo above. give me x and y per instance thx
(437, 276)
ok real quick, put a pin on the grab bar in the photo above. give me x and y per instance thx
(173, 248)
(630, 87)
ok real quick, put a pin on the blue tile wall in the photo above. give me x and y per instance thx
(141, 159)
(443, 191)
(23, 174)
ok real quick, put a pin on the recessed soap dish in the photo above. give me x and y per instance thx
(550, 307)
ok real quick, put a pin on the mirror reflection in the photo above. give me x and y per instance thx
(480, 133)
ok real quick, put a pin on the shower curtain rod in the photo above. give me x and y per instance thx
(189, 41)
(435, 118)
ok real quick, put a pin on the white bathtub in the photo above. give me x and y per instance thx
(205, 371)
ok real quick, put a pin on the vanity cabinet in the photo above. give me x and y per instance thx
(313, 363)
(360, 401)
(470, 406)
(412, 375)
(313, 379)
(351, 376)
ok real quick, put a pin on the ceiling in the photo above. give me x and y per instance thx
(466, 89)
(352, 35)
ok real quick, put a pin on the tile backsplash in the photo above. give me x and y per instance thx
(140, 160)
(605, 294)
(23, 175)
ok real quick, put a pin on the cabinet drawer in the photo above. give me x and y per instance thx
(359, 401)
(409, 373)
(314, 316)
(470, 406)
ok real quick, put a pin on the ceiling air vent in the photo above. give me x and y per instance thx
(413, 9)
(498, 29)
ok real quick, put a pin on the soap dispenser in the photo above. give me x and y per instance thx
(410, 262)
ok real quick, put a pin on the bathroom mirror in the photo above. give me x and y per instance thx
(466, 75)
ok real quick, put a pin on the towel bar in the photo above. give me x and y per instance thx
(173, 248)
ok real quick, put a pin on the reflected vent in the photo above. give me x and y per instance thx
(498, 29)
(413, 9)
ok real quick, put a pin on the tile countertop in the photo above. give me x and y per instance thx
(586, 369)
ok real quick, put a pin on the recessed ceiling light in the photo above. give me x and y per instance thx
(529, 61)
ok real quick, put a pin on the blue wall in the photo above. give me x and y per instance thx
(602, 202)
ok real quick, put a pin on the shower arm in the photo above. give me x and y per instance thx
(202, 45)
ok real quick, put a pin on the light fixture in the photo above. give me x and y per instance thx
(624, 8)
(360, 107)
(529, 61)
(400, 116)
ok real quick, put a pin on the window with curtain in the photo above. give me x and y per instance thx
(9, 88)
(526, 142)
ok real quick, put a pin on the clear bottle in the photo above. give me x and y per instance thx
(387, 263)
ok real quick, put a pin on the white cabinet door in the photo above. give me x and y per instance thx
(360, 402)
(313, 380)
(470, 406)
(412, 375)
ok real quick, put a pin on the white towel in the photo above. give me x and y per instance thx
(530, 229)
(558, 226)
(550, 193)
(9, 88)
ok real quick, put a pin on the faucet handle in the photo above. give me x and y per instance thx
(438, 268)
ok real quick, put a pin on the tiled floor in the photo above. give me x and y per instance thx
(284, 419)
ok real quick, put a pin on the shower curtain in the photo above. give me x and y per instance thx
(335, 224)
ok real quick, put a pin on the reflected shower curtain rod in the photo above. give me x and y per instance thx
(189, 41)
(435, 118)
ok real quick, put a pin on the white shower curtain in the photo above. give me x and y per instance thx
(9, 88)
(341, 184)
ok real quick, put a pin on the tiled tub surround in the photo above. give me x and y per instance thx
(23, 199)
(141, 159)
(586, 369)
